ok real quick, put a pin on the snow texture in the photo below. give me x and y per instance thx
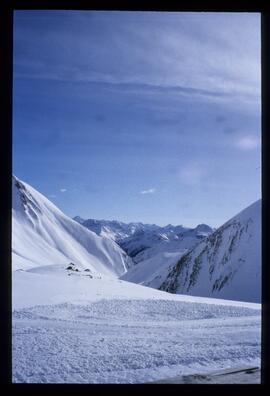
(77, 329)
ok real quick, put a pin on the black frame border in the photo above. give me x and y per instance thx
(6, 82)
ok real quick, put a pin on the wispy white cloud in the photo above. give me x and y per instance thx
(149, 191)
(247, 143)
(192, 174)
(194, 51)
(52, 196)
(63, 190)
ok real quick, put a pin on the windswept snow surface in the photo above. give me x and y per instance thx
(41, 233)
(73, 328)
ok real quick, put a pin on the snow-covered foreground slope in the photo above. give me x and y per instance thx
(227, 264)
(81, 329)
(41, 233)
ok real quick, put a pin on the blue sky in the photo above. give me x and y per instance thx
(139, 116)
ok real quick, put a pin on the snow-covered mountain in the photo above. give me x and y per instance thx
(227, 264)
(113, 229)
(142, 244)
(43, 235)
(152, 248)
(153, 260)
(154, 251)
(139, 240)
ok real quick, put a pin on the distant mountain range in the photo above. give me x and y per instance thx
(113, 229)
(136, 238)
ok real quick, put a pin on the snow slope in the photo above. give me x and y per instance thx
(78, 329)
(43, 235)
(227, 264)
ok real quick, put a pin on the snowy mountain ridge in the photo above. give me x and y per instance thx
(226, 264)
(43, 235)
(120, 231)
(140, 240)
(112, 229)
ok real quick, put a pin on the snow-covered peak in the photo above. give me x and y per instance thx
(203, 228)
(226, 264)
(79, 219)
(252, 212)
(43, 235)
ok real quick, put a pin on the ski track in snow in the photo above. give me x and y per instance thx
(130, 340)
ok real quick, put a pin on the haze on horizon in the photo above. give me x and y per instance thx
(149, 117)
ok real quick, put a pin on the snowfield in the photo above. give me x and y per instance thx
(78, 329)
